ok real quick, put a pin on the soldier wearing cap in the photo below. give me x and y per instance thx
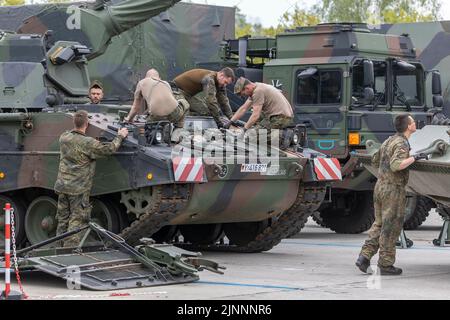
(271, 110)
(96, 92)
(213, 85)
(157, 97)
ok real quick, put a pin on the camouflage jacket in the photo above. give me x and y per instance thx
(389, 158)
(77, 163)
(216, 97)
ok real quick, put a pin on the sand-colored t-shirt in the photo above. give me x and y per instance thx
(157, 95)
(272, 100)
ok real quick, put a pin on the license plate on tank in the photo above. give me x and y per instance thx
(254, 168)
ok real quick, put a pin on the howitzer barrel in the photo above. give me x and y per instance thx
(100, 26)
(129, 14)
(102, 22)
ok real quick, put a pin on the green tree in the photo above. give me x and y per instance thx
(289, 20)
(377, 11)
(11, 2)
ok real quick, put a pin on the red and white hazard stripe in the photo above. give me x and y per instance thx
(327, 169)
(7, 249)
(188, 169)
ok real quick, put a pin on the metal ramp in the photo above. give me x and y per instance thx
(113, 264)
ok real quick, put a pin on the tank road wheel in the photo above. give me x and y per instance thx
(417, 210)
(105, 214)
(201, 234)
(356, 216)
(165, 234)
(243, 233)
(41, 224)
(19, 218)
(40, 220)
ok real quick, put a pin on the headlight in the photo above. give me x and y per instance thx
(295, 139)
(159, 137)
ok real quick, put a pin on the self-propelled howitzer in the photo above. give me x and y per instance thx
(146, 189)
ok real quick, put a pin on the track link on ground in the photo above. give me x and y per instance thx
(168, 202)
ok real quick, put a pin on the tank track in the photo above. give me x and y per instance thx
(169, 201)
(290, 223)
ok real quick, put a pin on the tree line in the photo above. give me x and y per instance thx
(367, 11)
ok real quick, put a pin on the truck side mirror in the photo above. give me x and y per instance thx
(369, 74)
(436, 83)
(436, 89)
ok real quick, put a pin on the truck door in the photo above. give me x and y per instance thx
(319, 99)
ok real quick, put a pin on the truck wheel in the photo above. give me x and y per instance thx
(357, 216)
(417, 210)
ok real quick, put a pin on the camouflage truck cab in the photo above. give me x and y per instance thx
(346, 84)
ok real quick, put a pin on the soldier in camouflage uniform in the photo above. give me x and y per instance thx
(213, 85)
(161, 103)
(392, 159)
(271, 109)
(76, 173)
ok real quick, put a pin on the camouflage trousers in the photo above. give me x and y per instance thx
(73, 212)
(197, 103)
(176, 117)
(390, 205)
(274, 122)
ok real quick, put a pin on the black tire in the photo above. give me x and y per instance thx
(418, 213)
(201, 234)
(19, 207)
(357, 219)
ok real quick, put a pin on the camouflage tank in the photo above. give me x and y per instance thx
(347, 83)
(149, 187)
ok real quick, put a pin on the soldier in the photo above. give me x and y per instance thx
(76, 172)
(157, 97)
(392, 159)
(96, 92)
(213, 84)
(271, 110)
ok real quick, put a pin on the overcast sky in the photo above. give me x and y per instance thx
(268, 12)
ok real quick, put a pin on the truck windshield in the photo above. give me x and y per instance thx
(380, 70)
(408, 89)
(324, 87)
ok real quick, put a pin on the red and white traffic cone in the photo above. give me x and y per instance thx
(7, 294)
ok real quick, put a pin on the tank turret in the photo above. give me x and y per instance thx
(37, 73)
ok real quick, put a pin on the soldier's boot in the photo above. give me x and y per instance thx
(390, 271)
(363, 263)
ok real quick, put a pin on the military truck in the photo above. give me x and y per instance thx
(346, 84)
(151, 187)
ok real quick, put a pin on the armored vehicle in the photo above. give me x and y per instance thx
(151, 187)
(346, 84)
